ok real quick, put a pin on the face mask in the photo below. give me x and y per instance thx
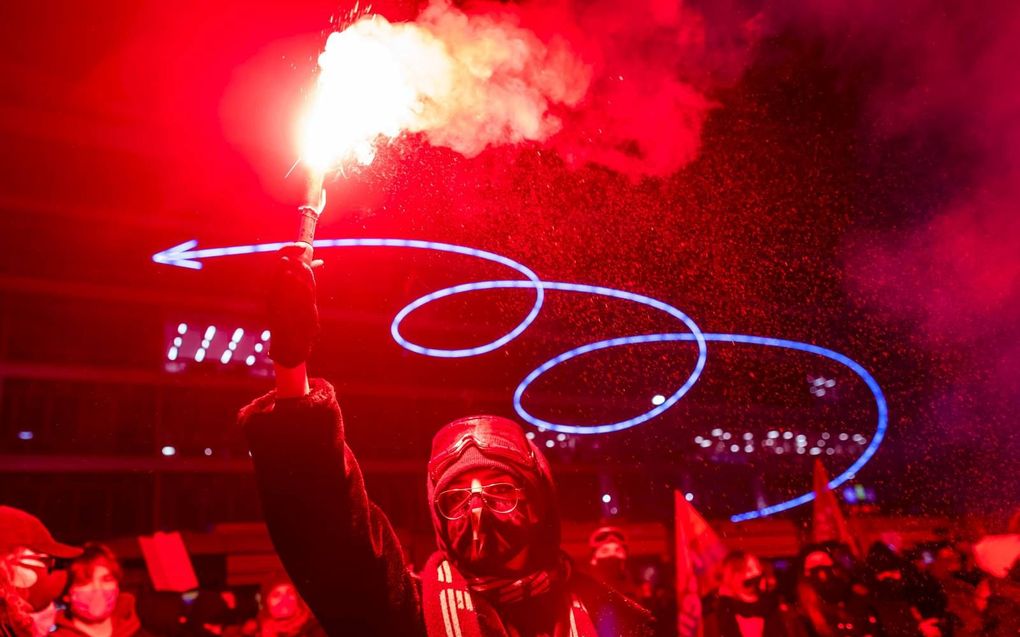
(611, 568)
(35, 585)
(92, 604)
(484, 542)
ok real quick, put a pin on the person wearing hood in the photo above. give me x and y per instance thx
(747, 603)
(28, 580)
(96, 607)
(498, 570)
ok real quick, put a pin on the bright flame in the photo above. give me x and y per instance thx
(465, 81)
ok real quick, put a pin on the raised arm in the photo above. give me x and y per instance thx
(337, 546)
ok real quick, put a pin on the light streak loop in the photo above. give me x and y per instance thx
(184, 255)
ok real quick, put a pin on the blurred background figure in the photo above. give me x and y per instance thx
(283, 613)
(96, 606)
(999, 595)
(831, 602)
(907, 603)
(747, 603)
(208, 615)
(609, 560)
(962, 617)
(28, 581)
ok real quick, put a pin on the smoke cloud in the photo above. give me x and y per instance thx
(628, 90)
(464, 81)
(940, 253)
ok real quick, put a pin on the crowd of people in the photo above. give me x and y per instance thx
(499, 569)
(51, 589)
(938, 589)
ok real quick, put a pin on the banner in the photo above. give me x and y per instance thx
(168, 562)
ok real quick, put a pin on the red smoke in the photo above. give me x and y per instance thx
(657, 65)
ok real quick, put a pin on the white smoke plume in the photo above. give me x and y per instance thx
(464, 81)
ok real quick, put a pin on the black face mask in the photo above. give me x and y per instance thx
(40, 594)
(611, 569)
(483, 545)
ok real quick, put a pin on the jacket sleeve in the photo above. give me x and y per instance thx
(337, 546)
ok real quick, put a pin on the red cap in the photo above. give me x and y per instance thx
(24, 530)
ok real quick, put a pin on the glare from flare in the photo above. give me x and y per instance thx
(374, 80)
(464, 81)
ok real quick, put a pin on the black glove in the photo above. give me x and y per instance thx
(293, 314)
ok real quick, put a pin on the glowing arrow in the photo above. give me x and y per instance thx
(184, 255)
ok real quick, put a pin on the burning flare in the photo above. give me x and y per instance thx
(464, 81)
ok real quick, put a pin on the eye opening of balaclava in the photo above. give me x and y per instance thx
(489, 445)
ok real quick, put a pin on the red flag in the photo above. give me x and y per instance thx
(828, 523)
(699, 553)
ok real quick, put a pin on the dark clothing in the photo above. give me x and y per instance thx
(962, 617)
(851, 616)
(339, 547)
(1002, 615)
(722, 613)
(125, 621)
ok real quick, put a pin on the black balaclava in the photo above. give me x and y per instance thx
(499, 444)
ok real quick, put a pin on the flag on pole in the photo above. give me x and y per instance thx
(828, 523)
(699, 554)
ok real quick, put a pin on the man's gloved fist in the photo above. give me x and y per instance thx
(293, 314)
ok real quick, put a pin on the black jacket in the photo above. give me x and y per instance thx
(337, 546)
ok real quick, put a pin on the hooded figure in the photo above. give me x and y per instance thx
(498, 570)
(508, 524)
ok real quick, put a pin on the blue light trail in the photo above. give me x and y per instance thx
(186, 256)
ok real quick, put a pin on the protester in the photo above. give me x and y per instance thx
(28, 582)
(830, 602)
(609, 560)
(499, 569)
(999, 557)
(963, 618)
(747, 603)
(898, 594)
(283, 613)
(96, 606)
